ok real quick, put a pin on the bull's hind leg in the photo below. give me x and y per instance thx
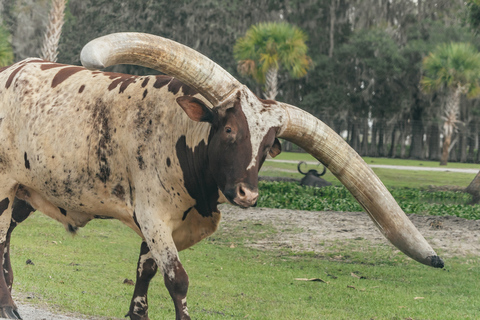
(146, 270)
(21, 211)
(8, 309)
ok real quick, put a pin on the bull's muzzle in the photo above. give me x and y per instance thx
(242, 195)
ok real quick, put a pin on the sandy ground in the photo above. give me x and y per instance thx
(312, 231)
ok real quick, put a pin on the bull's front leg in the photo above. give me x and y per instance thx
(146, 270)
(159, 239)
(176, 281)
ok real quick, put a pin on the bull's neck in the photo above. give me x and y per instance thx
(192, 153)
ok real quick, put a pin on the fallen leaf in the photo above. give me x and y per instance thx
(351, 287)
(418, 298)
(232, 246)
(356, 276)
(311, 279)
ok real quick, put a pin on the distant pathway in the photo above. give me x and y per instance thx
(385, 166)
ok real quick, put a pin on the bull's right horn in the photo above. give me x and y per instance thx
(329, 148)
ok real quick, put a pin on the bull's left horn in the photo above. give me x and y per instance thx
(329, 148)
(167, 56)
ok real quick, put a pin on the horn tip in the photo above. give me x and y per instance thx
(90, 58)
(436, 262)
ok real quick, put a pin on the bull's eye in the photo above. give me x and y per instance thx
(228, 130)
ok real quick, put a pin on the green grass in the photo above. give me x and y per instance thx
(296, 156)
(391, 178)
(85, 274)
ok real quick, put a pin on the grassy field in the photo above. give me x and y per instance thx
(230, 280)
(86, 274)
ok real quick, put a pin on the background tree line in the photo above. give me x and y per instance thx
(367, 58)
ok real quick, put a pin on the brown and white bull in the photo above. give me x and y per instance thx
(156, 153)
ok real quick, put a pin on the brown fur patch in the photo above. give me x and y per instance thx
(175, 85)
(161, 81)
(48, 66)
(64, 74)
(12, 76)
(124, 80)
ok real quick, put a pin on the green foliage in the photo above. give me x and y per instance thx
(6, 52)
(474, 13)
(285, 195)
(85, 274)
(272, 45)
(452, 65)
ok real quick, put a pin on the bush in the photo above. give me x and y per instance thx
(287, 195)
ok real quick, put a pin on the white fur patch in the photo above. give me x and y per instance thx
(260, 120)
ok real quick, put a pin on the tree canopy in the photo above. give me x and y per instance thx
(366, 57)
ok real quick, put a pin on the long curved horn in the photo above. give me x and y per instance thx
(164, 55)
(329, 148)
(300, 170)
(323, 171)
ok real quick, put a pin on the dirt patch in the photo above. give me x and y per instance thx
(310, 230)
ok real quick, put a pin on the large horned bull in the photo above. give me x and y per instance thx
(156, 153)
(312, 177)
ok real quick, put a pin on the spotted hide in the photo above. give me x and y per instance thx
(79, 145)
(156, 153)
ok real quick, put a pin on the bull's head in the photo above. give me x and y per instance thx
(266, 120)
(311, 171)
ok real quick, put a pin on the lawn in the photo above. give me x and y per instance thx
(228, 279)
(86, 273)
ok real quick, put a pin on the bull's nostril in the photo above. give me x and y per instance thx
(241, 192)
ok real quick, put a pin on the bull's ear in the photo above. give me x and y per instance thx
(195, 109)
(276, 149)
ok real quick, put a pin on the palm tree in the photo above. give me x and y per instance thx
(54, 30)
(6, 52)
(268, 46)
(453, 67)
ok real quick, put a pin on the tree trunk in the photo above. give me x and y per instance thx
(381, 140)
(472, 136)
(434, 142)
(474, 189)
(463, 145)
(354, 141)
(446, 145)
(477, 160)
(416, 147)
(393, 148)
(271, 84)
(403, 139)
(372, 152)
(364, 146)
(333, 6)
(451, 112)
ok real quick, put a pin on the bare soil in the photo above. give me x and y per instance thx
(313, 231)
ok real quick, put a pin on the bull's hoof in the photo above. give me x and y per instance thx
(134, 316)
(9, 313)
